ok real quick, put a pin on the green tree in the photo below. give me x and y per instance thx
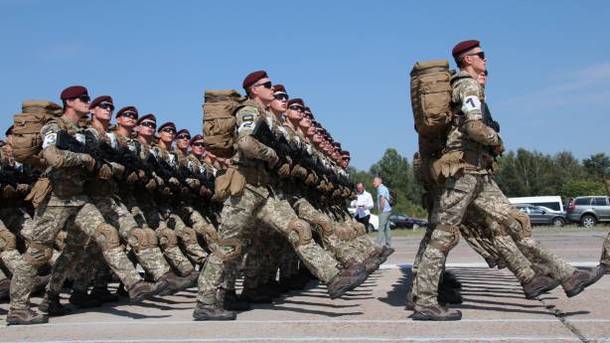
(574, 188)
(526, 174)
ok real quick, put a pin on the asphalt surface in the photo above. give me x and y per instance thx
(494, 310)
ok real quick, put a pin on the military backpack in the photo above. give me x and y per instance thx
(219, 123)
(431, 105)
(27, 142)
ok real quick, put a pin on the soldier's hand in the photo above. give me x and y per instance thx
(284, 170)
(142, 175)
(151, 185)
(132, 178)
(299, 172)
(88, 161)
(272, 159)
(23, 188)
(311, 179)
(193, 183)
(173, 182)
(205, 192)
(9, 191)
(105, 172)
(117, 169)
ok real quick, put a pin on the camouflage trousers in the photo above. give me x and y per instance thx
(80, 221)
(327, 229)
(187, 236)
(481, 193)
(146, 212)
(10, 241)
(605, 259)
(242, 212)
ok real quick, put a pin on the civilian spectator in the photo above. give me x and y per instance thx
(384, 236)
(363, 204)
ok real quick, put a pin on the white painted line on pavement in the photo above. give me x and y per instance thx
(331, 339)
(316, 322)
(476, 265)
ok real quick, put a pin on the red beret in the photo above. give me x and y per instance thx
(128, 109)
(253, 77)
(279, 89)
(345, 153)
(168, 124)
(149, 116)
(183, 131)
(73, 92)
(98, 101)
(464, 46)
(298, 101)
(197, 137)
(9, 131)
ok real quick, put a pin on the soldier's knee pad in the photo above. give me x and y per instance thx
(8, 241)
(188, 236)
(300, 232)
(37, 255)
(139, 239)
(360, 229)
(209, 233)
(167, 238)
(326, 225)
(519, 223)
(445, 237)
(345, 232)
(107, 237)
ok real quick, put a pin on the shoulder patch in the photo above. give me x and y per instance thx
(49, 139)
(471, 103)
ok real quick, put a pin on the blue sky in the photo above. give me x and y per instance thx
(549, 61)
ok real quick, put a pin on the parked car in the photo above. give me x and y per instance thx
(589, 210)
(402, 221)
(540, 215)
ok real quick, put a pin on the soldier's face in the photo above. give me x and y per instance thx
(305, 123)
(102, 113)
(197, 148)
(147, 128)
(263, 89)
(295, 112)
(127, 121)
(317, 138)
(80, 105)
(167, 135)
(279, 103)
(311, 131)
(475, 59)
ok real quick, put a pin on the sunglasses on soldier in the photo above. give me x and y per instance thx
(150, 124)
(84, 98)
(296, 108)
(108, 107)
(280, 96)
(132, 115)
(169, 130)
(267, 85)
(183, 137)
(481, 54)
(198, 144)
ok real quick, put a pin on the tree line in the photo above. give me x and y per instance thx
(520, 173)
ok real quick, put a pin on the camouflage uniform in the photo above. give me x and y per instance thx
(65, 206)
(257, 202)
(467, 184)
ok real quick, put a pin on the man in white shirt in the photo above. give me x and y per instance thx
(363, 204)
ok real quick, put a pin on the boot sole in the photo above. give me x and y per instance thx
(579, 289)
(20, 322)
(427, 317)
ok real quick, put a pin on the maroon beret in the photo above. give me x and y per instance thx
(253, 77)
(298, 101)
(183, 131)
(167, 124)
(128, 109)
(73, 92)
(279, 89)
(197, 137)
(9, 131)
(345, 153)
(99, 100)
(464, 46)
(149, 116)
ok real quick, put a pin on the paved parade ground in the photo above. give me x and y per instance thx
(494, 309)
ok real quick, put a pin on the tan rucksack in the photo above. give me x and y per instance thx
(219, 109)
(27, 141)
(431, 104)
